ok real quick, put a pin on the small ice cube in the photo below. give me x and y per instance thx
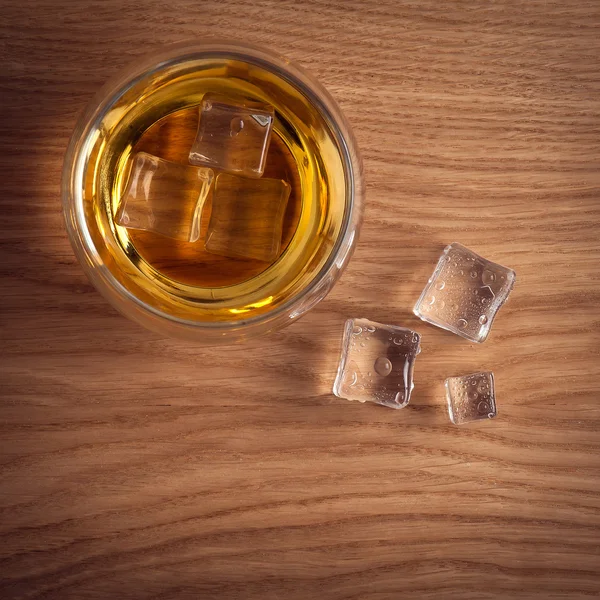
(471, 397)
(247, 217)
(464, 293)
(164, 197)
(376, 364)
(233, 137)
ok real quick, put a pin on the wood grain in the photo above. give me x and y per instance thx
(139, 467)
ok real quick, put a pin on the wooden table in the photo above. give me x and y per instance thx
(139, 467)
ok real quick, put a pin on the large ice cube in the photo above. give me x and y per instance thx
(164, 197)
(233, 137)
(464, 293)
(247, 217)
(376, 364)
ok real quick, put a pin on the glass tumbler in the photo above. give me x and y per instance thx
(186, 291)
